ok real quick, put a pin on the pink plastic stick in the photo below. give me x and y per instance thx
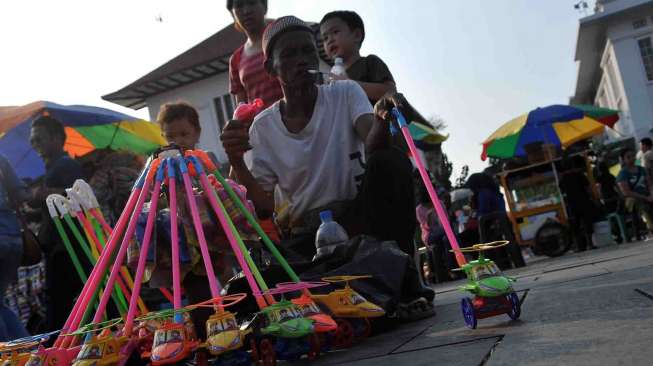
(174, 237)
(115, 269)
(140, 270)
(204, 247)
(94, 279)
(89, 229)
(442, 215)
(208, 190)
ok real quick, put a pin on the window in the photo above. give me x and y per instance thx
(219, 112)
(639, 23)
(228, 105)
(224, 109)
(646, 50)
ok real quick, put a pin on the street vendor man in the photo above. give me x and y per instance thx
(323, 148)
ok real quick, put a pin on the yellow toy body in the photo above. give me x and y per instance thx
(223, 334)
(346, 302)
(15, 358)
(103, 350)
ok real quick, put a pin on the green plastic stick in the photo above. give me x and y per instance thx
(69, 248)
(257, 227)
(117, 295)
(241, 245)
(71, 252)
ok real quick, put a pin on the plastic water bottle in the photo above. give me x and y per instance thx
(338, 67)
(329, 236)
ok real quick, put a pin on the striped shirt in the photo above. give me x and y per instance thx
(247, 74)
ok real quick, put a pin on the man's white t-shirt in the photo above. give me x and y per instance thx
(320, 164)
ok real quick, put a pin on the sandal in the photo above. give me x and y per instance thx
(415, 310)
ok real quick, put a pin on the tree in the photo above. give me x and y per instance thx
(437, 162)
(443, 173)
(462, 178)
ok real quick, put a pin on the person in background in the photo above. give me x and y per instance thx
(635, 185)
(578, 198)
(433, 235)
(12, 193)
(490, 207)
(248, 79)
(646, 149)
(47, 137)
(343, 33)
(607, 187)
(113, 179)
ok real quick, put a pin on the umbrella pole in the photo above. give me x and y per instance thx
(562, 198)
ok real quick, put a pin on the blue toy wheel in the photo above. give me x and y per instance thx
(468, 312)
(515, 306)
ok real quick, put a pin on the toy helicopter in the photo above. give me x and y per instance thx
(282, 330)
(165, 341)
(493, 292)
(350, 310)
(224, 338)
(103, 349)
(18, 351)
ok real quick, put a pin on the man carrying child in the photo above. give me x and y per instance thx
(324, 148)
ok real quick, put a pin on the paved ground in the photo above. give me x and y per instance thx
(592, 308)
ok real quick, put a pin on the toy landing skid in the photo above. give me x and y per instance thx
(493, 291)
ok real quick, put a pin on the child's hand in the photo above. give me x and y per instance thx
(235, 140)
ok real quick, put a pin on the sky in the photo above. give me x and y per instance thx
(476, 64)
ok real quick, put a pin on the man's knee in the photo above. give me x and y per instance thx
(389, 161)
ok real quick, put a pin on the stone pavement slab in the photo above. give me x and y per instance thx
(591, 308)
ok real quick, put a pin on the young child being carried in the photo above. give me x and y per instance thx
(343, 33)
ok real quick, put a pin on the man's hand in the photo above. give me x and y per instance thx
(235, 140)
(383, 108)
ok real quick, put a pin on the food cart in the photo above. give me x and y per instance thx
(534, 199)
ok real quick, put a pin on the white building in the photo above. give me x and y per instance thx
(199, 76)
(615, 63)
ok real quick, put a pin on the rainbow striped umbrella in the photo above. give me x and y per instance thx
(559, 125)
(87, 129)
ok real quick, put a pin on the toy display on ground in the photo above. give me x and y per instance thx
(287, 327)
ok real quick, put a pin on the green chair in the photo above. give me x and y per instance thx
(620, 223)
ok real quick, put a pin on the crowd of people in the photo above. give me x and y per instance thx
(318, 145)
